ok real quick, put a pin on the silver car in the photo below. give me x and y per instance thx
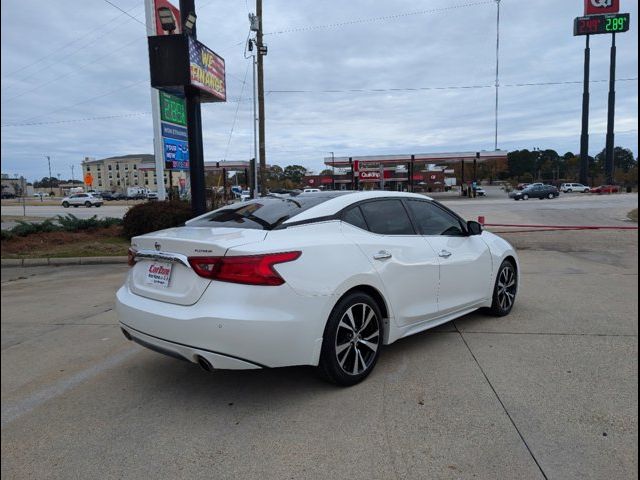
(86, 199)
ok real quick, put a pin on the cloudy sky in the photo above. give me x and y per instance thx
(352, 77)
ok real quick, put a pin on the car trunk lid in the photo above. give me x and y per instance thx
(162, 271)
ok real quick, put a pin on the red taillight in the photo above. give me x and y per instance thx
(249, 269)
(131, 256)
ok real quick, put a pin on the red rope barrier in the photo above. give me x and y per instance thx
(550, 228)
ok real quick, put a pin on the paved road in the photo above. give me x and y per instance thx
(548, 392)
(495, 205)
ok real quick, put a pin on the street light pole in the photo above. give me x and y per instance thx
(49, 162)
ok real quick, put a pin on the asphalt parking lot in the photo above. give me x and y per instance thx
(549, 391)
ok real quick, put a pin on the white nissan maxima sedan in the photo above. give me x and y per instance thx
(323, 279)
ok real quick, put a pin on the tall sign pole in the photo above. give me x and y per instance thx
(609, 167)
(150, 18)
(584, 136)
(194, 128)
(600, 17)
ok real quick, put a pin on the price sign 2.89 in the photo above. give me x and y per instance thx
(173, 109)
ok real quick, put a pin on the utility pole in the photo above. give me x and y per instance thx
(495, 146)
(255, 132)
(262, 50)
(73, 177)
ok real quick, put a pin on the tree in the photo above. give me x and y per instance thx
(46, 182)
(294, 173)
(622, 159)
(520, 162)
(326, 171)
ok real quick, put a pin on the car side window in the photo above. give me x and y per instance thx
(432, 220)
(354, 217)
(387, 217)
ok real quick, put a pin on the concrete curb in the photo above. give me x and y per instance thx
(40, 262)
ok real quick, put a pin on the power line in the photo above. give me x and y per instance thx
(373, 90)
(60, 77)
(62, 47)
(127, 13)
(235, 117)
(84, 101)
(379, 19)
(448, 87)
(106, 117)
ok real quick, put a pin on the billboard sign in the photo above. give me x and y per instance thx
(206, 70)
(176, 154)
(599, 7)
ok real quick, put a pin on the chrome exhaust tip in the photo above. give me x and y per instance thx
(204, 364)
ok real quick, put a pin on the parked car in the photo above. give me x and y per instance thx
(40, 195)
(573, 187)
(311, 190)
(605, 189)
(536, 191)
(108, 196)
(85, 199)
(323, 279)
(8, 195)
(480, 192)
(152, 195)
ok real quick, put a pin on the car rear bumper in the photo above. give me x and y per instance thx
(232, 326)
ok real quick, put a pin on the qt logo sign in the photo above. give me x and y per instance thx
(599, 7)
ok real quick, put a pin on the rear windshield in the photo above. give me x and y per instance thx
(265, 213)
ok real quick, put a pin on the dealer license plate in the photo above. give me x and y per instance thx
(159, 274)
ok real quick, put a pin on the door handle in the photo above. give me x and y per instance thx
(382, 255)
(444, 254)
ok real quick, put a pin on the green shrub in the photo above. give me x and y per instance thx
(67, 223)
(71, 223)
(27, 228)
(5, 234)
(151, 216)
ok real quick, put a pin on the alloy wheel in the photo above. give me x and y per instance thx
(357, 339)
(507, 287)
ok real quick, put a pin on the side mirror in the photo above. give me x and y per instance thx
(474, 228)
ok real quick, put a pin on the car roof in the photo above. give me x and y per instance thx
(338, 200)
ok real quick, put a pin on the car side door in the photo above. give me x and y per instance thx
(465, 260)
(407, 266)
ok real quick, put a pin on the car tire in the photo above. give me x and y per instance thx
(87, 204)
(65, 204)
(568, 191)
(504, 290)
(525, 197)
(352, 340)
(550, 196)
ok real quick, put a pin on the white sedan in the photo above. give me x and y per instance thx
(323, 279)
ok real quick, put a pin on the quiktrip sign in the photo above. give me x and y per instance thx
(600, 7)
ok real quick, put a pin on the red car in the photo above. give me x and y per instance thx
(605, 189)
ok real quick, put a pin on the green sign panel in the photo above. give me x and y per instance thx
(173, 109)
